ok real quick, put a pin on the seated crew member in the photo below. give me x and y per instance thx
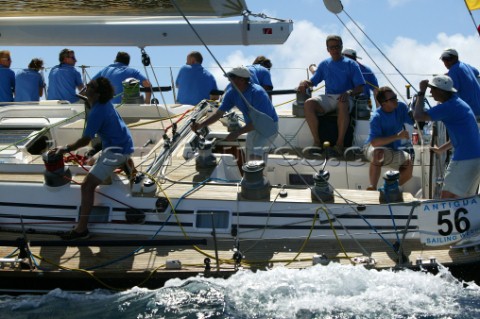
(384, 140)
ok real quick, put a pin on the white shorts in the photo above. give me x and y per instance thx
(107, 163)
(391, 158)
(258, 146)
(462, 177)
(329, 102)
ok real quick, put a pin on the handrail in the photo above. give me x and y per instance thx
(6, 148)
(272, 92)
(156, 89)
(22, 117)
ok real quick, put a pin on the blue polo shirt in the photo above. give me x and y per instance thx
(383, 124)
(371, 82)
(194, 84)
(105, 121)
(339, 76)
(461, 126)
(464, 78)
(256, 97)
(62, 83)
(117, 73)
(28, 83)
(262, 74)
(7, 84)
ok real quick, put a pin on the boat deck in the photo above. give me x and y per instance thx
(125, 267)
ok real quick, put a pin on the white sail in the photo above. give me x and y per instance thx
(133, 23)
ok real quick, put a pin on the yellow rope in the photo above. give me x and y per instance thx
(335, 234)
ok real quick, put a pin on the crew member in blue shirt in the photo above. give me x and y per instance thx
(64, 78)
(343, 80)
(462, 176)
(262, 72)
(371, 82)
(261, 120)
(120, 71)
(384, 140)
(194, 82)
(7, 77)
(464, 77)
(117, 146)
(29, 82)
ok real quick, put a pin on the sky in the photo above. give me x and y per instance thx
(401, 40)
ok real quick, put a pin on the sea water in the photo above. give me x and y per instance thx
(332, 291)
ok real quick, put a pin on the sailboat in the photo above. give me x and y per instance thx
(196, 206)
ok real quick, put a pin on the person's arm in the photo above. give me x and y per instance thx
(381, 141)
(148, 93)
(419, 113)
(81, 142)
(245, 129)
(41, 87)
(304, 85)
(441, 149)
(307, 84)
(357, 90)
(210, 120)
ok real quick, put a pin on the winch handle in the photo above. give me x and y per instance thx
(326, 145)
(193, 120)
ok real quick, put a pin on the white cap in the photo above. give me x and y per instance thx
(447, 53)
(240, 71)
(351, 52)
(443, 82)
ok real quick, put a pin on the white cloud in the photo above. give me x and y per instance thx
(412, 60)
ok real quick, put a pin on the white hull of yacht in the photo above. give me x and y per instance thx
(182, 200)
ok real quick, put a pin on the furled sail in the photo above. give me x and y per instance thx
(133, 23)
(200, 8)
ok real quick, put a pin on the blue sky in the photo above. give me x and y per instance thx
(411, 33)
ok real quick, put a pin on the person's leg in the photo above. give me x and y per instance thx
(406, 172)
(311, 108)
(102, 169)
(461, 178)
(258, 146)
(375, 167)
(88, 195)
(343, 120)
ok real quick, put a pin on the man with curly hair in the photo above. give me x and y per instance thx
(117, 146)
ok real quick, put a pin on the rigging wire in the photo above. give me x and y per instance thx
(147, 62)
(386, 77)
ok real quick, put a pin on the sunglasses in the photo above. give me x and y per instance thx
(335, 47)
(393, 98)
